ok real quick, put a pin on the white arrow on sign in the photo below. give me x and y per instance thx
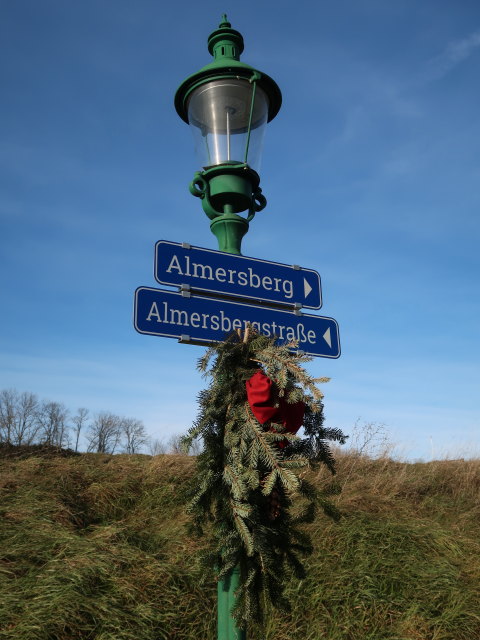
(327, 337)
(306, 287)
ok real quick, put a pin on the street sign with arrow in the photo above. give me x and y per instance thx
(229, 275)
(199, 319)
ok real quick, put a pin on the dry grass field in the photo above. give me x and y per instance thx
(94, 547)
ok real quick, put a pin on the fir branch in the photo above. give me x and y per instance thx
(243, 531)
(245, 484)
(234, 480)
(269, 482)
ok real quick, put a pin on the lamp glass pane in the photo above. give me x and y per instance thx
(219, 115)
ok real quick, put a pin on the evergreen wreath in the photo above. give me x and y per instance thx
(248, 474)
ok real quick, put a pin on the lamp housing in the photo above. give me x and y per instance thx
(227, 104)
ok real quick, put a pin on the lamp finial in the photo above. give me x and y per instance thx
(224, 22)
(225, 42)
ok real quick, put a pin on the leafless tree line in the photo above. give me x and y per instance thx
(26, 420)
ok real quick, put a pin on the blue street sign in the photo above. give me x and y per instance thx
(225, 274)
(200, 319)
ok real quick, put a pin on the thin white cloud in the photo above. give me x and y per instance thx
(456, 52)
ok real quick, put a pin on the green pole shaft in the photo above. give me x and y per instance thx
(222, 610)
(235, 632)
(227, 628)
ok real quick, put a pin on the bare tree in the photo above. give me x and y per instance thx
(26, 426)
(134, 435)
(156, 447)
(79, 421)
(7, 414)
(176, 445)
(18, 417)
(104, 433)
(52, 424)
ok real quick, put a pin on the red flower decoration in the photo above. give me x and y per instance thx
(261, 398)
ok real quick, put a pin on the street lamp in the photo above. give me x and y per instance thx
(227, 105)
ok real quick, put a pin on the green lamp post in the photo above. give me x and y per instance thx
(227, 105)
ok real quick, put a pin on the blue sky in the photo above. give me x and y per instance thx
(371, 171)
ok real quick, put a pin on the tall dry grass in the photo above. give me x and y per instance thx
(95, 547)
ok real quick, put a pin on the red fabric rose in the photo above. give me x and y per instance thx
(261, 398)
